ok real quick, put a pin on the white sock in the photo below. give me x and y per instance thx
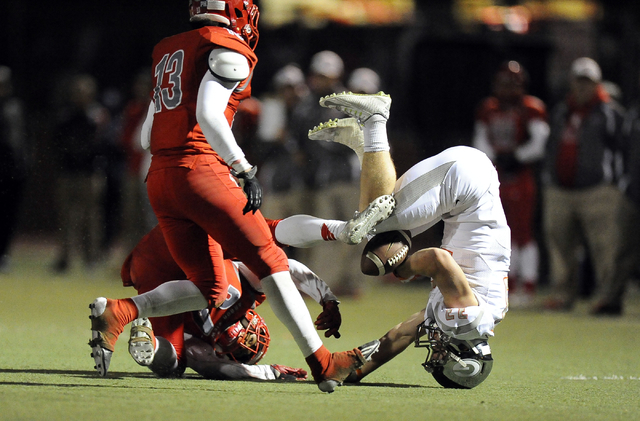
(303, 231)
(289, 307)
(170, 298)
(375, 134)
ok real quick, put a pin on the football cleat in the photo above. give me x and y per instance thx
(105, 330)
(342, 364)
(142, 344)
(369, 349)
(364, 222)
(345, 131)
(359, 106)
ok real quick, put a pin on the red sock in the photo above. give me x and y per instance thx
(126, 310)
(319, 361)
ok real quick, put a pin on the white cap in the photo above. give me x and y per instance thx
(364, 80)
(327, 63)
(289, 75)
(586, 67)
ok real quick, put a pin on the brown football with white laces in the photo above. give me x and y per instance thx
(385, 252)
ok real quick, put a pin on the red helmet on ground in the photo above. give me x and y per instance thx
(245, 341)
(240, 16)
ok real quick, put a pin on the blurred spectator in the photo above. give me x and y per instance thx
(330, 172)
(13, 163)
(280, 170)
(629, 263)
(581, 199)
(511, 128)
(364, 81)
(79, 144)
(137, 215)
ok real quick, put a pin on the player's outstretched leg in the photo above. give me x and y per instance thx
(346, 131)
(364, 222)
(142, 342)
(359, 106)
(108, 319)
(340, 365)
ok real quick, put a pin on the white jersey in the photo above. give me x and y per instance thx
(460, 187)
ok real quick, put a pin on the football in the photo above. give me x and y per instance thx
(385, 252)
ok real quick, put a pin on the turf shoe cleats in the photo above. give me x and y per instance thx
(345, 131)
(108, 318)
(142, 342)
(359, 106)
(364, 222)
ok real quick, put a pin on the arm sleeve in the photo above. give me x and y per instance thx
(145, 132)
(309, 283)
(213, 97)
(534, 149)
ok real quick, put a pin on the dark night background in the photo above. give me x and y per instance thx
(435, 72)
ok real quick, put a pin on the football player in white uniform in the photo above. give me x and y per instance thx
(469, 271)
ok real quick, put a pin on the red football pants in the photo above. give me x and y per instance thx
(199, 209)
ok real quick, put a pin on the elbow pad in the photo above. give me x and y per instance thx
(228, 65)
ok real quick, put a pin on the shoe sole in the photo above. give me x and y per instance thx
(141, 348)
(357, 229)
(347, 102)
(101, 356)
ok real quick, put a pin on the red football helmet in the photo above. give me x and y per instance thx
(240, 16)
(245, 341)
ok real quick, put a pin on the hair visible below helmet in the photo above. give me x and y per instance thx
(245, 341)
(453, 363)
(241, 16)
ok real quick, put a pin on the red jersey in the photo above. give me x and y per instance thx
(507, 127)
(179, 64)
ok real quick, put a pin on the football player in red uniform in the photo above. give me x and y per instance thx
(224, 342)
(511, 128)
(200, 76)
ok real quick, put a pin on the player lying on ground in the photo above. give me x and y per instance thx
(231, 332)
(469, 271)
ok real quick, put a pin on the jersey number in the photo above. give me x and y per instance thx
(170, 96)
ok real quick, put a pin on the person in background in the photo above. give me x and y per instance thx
(283, 188)
(511, 128)
(79, 146)
(135, 203)
(581, 196)
(13, 163)
(330, 172)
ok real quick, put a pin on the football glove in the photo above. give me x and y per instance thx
(289, 374)
(251, 188)
(330, 319)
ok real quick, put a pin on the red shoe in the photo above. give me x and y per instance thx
(108, 319)
(340, 365)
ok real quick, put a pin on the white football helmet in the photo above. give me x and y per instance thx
(454, 363)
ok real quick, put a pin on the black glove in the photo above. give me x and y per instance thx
(330, 319)
(252, 190)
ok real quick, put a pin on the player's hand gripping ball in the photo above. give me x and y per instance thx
(385, 252)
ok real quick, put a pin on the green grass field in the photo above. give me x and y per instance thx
(547, 366)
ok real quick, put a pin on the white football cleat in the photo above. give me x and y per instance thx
(142, 345)
(363, 223)
(346, 131)
(360, 106)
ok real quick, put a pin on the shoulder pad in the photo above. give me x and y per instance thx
(228, 65)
